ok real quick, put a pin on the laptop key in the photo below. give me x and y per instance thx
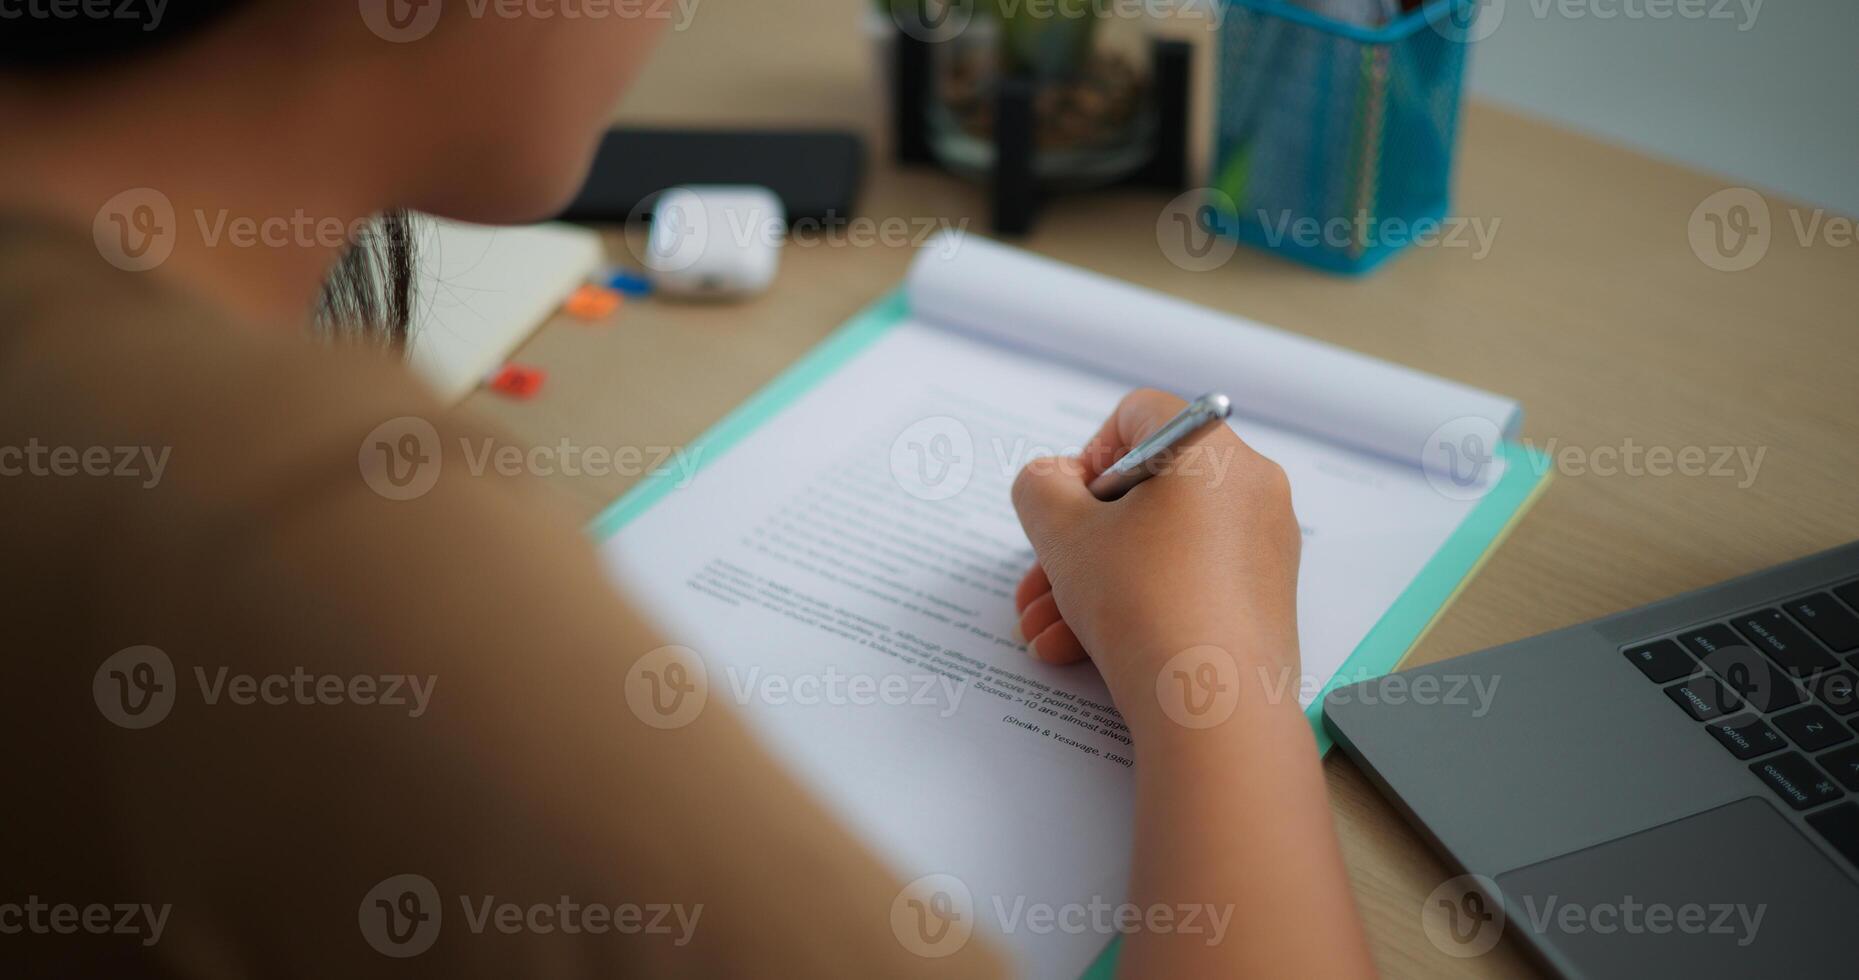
(1706, 640)
(1844, 765)
(1703, 698)
(1837, 689)
(1746, 736)
(1830, 622)
(1796, 781)
(1752, 676)
(1812, 728)
(1840, 826)
(1784, 642)
(1850, 593)
(1662, 661)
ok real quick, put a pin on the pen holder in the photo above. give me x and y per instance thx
(1334, 141)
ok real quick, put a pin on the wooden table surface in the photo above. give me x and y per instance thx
(1591, 308)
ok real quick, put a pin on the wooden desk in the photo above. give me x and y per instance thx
(1591, 308)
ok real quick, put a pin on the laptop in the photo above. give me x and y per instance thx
(1670, 791)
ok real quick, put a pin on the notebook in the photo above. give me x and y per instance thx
(842, 561)
(482, 290)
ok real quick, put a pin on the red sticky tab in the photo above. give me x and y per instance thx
(592, 302)
(517, 381)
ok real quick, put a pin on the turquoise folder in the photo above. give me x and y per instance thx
(1397, 632)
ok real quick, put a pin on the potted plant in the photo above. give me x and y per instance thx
(1093, 116)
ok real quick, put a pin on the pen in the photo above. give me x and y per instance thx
(1134, 467)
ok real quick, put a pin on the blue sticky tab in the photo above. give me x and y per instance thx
(628, 282)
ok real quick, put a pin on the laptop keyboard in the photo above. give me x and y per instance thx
(1778, 688)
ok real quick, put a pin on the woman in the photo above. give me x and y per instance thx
(245, 835)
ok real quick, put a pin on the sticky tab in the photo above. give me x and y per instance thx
(630, 283)
(592, 302)
(517, 381)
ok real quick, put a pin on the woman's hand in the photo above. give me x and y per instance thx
(1203, 553)
(1201, 557)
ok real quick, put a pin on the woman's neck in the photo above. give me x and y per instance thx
(223, 177)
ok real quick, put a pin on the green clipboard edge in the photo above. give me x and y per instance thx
(1398, 631)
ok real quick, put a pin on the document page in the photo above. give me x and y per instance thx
(1070, 315)
(845, 575)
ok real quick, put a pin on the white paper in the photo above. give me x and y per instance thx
(1123, 331)
(844, 538)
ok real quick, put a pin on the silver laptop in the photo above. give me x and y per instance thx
(1671, 791)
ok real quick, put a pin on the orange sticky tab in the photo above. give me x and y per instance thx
(592, 302)
(517, 381)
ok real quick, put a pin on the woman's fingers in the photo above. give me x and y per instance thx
(1038, 614)
(1047, 636)
(1032, 586)
(1057, 645)
(1050, 495)
(1140, 413)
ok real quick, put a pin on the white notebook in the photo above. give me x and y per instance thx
(852, 522)
(480, 291)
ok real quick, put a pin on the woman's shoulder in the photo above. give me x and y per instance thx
(126, 400)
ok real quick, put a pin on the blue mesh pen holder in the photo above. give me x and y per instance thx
(1334, 141)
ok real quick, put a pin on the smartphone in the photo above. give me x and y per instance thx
(816, 173)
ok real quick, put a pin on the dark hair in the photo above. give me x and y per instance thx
(79, 36)
(369, 293)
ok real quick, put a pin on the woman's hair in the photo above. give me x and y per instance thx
(80, 35)
(369, 293)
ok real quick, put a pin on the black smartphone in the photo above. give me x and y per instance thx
(816, 173)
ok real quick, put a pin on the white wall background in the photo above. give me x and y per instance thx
(1769, 99)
